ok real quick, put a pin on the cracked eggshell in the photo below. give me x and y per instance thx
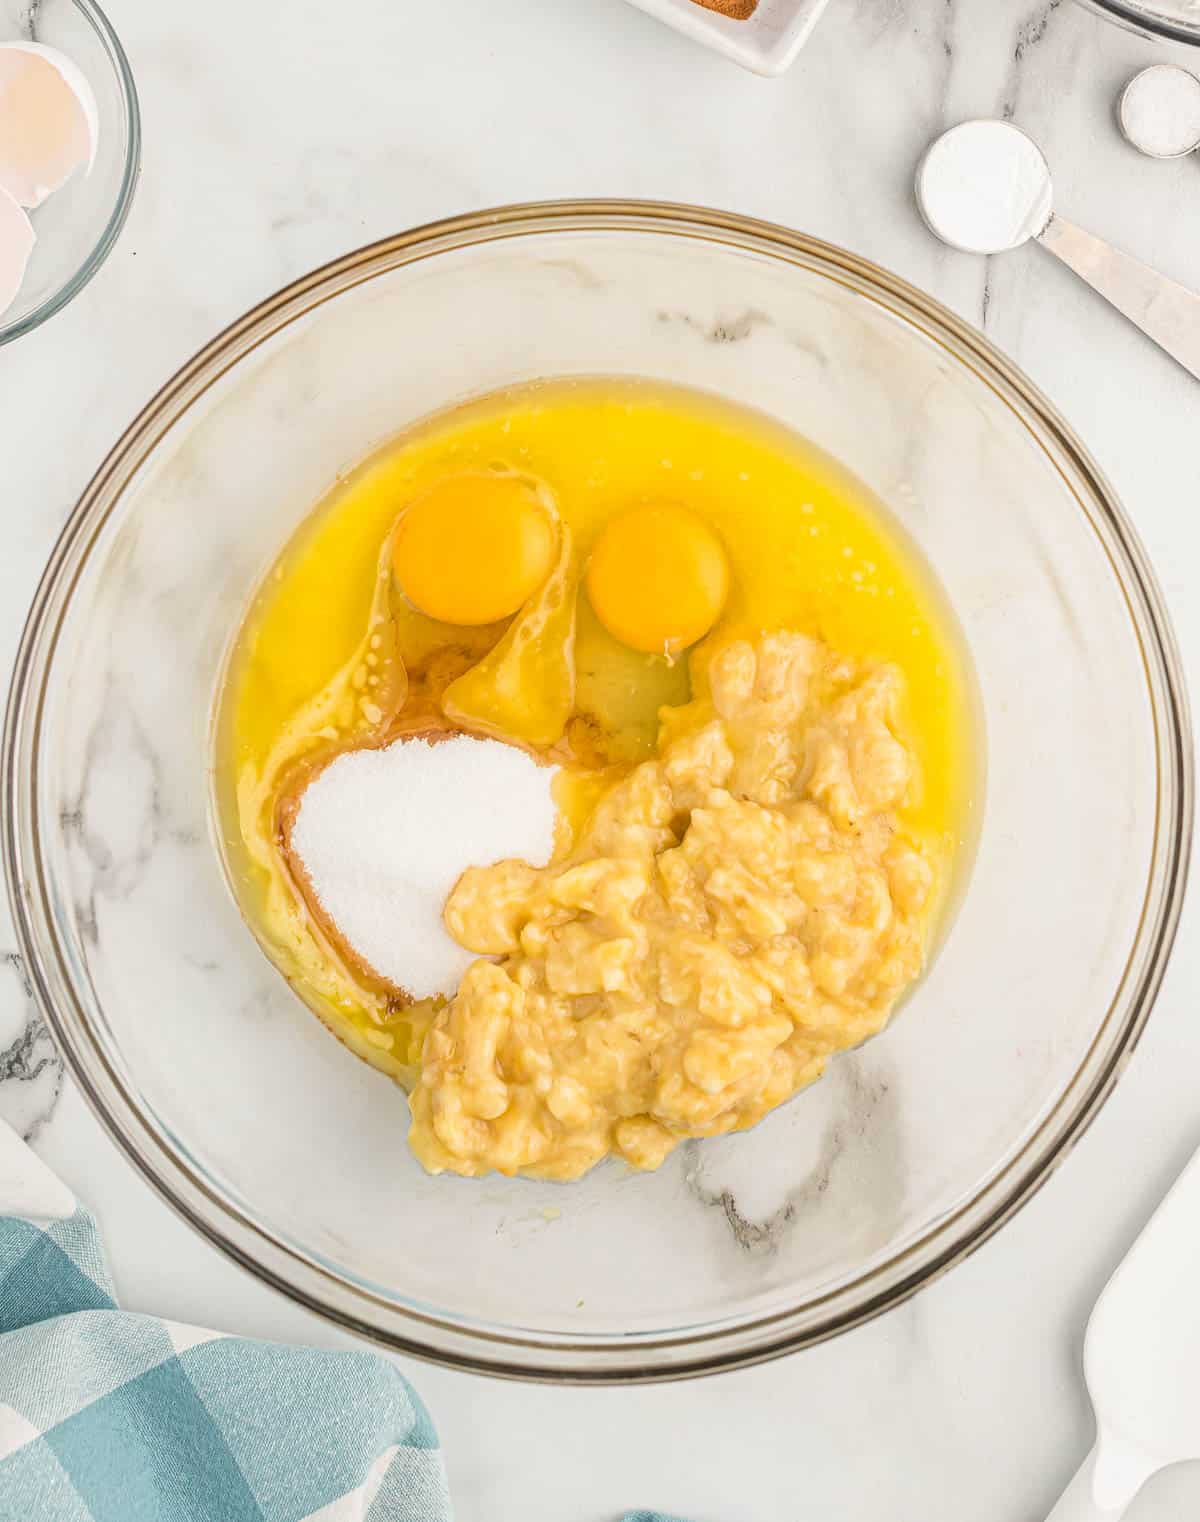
(16, 244)
(49, 121)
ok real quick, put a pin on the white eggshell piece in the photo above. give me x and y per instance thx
(16, 245)
(49, 121)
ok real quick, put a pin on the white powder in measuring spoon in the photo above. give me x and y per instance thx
(984, 187)
(385, 834)
(1160, 111)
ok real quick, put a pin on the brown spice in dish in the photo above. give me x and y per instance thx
(736, 10)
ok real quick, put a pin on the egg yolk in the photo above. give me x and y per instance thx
(658, 578)
(474, 548)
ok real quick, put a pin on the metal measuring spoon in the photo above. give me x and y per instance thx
(984, 187)
(1159, 112)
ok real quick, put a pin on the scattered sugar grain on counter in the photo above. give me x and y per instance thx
(385, 834)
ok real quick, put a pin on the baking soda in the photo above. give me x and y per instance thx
(984, 187)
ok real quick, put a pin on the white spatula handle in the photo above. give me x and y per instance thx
(1104, 1488)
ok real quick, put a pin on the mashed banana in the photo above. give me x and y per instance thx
(733, 912)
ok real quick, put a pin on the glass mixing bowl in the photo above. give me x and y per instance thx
(1176, 20)
(289, 1153)
(78, 225)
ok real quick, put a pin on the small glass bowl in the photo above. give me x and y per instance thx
(78, 225)
(288, 1152)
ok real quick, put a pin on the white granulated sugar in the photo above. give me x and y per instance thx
(385, 834)
(1160, 111)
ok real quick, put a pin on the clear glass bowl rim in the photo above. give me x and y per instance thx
(129, 178)
(1132, 16)
(415, 1330)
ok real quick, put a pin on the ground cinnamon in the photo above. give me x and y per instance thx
(736, 10)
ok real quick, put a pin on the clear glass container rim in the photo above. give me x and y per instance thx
(111, 231)
(1135, 18)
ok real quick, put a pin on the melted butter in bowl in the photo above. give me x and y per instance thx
(741, 885)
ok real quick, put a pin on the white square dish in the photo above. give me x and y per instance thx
(766, 42)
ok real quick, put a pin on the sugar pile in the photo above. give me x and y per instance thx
(1160, 111)
(385, 834)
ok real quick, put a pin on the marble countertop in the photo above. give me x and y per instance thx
(278, 137)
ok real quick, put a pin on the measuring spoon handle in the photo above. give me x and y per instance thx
(1165, 311)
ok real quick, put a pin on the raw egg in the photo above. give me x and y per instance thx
(474, 548)
(658, 578)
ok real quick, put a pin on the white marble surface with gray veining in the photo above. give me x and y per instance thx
(278, 137)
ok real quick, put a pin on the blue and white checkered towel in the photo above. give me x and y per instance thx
(106, 1416)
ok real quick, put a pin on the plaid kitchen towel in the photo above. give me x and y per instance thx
(106, 1416)
(110, 1417)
